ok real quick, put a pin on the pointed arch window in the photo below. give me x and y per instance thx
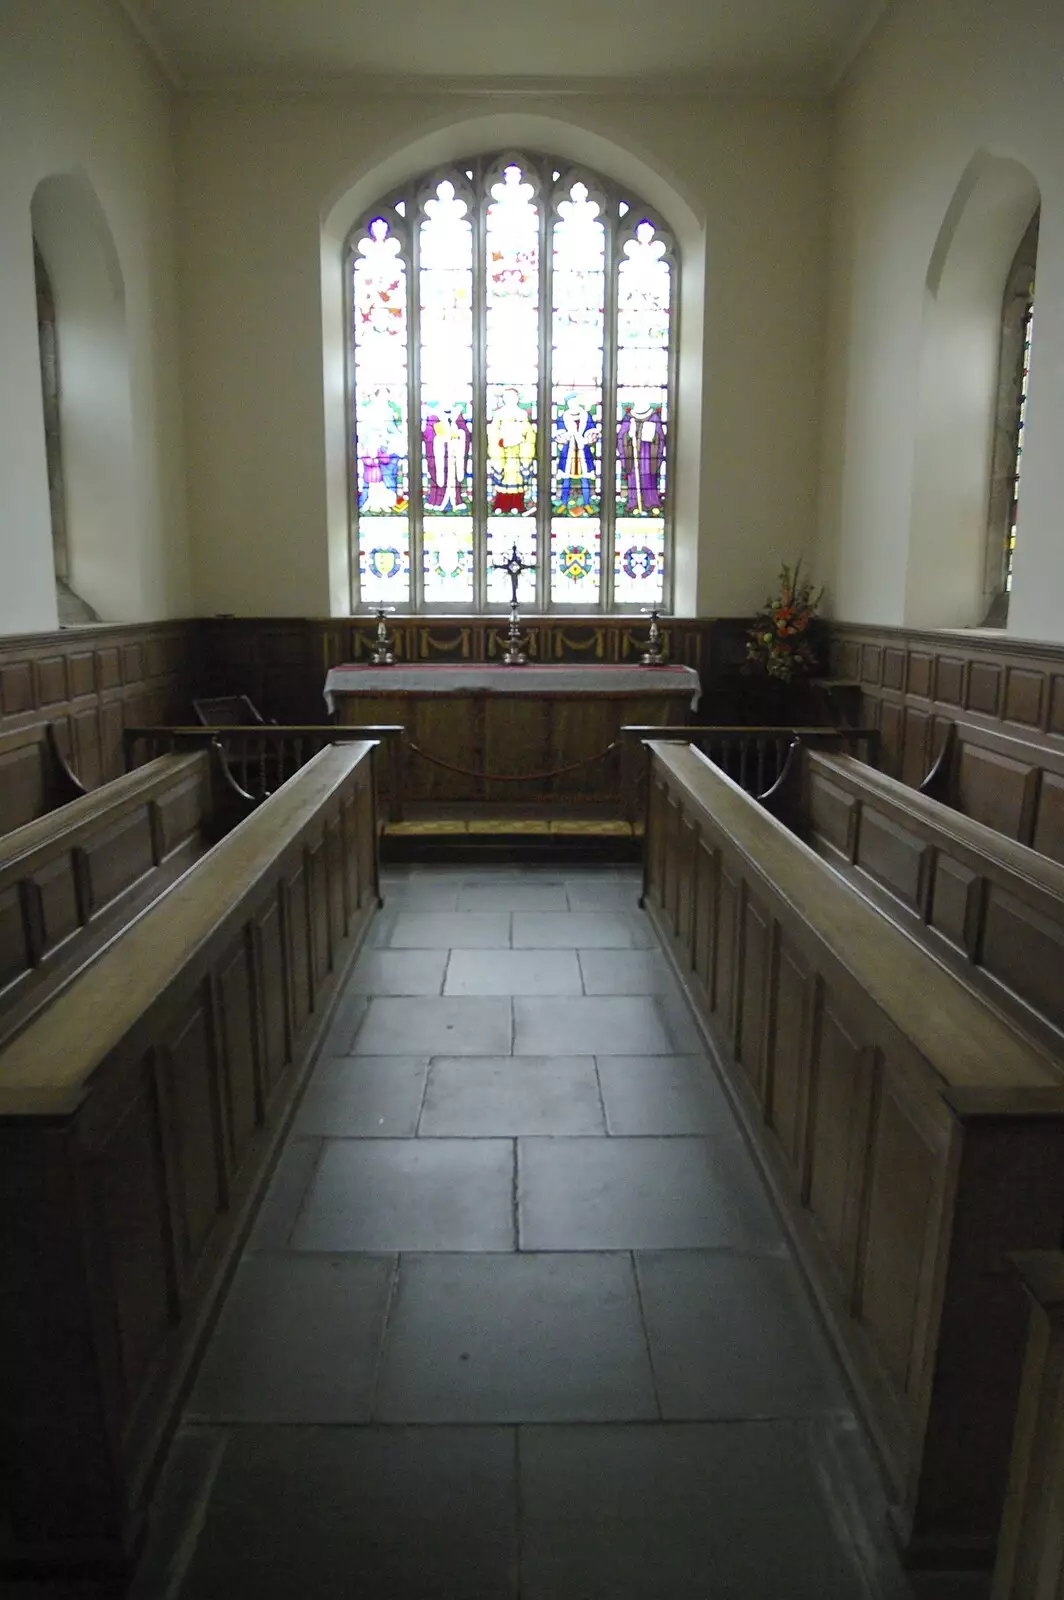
(511, 383)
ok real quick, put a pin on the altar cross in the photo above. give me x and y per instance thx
(513, 566)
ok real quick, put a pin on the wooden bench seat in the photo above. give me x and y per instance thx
(139, 1113)
(69, 880)
(991, 908)
(912, 1136)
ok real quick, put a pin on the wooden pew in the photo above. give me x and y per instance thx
(1030, 1558)
(69, 880)
(138, 1118)
(989, 907)
(262, 756)
(1012, 785)
(910, 1134)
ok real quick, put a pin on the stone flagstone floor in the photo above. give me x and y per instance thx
(516, 1318)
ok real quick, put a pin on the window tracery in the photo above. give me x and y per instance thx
(511, 374)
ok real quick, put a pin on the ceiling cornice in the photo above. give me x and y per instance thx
(150, 36)
(798, 86)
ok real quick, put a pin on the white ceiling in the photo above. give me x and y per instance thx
(785, 44)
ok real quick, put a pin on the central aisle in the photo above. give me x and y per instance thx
(516, 1318)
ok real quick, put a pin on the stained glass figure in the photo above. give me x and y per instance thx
(521, 351)
(643, 305)
(380, 372)
(578, 281)
(446, 351)
(512, 344)
(641, 460)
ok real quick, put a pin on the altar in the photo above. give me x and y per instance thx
(478, 733)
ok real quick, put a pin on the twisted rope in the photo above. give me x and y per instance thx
(512, 777)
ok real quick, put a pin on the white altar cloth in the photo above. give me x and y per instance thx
(473, 677)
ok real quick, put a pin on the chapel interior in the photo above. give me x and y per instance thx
(515, 1082)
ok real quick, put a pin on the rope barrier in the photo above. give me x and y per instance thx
(512, 777)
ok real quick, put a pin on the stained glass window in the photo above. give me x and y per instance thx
(511, 381)
(1014, 509)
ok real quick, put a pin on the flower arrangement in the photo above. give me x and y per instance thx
(779, 643)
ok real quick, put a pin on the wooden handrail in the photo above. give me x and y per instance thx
(336, 732)
(58, 1054)
(967, 1042)
(685, 731)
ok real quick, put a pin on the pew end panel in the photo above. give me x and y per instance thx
(910, 1137)
(139, 1118)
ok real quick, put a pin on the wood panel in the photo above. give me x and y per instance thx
(993, 909)
(89, 683)
(1004, 696)
(909, 1145)
(134, 1141)
(72, 877)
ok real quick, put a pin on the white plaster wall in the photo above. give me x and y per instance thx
(262, 185)
(80, 95)
(939, 84)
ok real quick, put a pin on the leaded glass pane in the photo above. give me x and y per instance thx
(578, 283)
(1010, 549)
(382, 465)
(511, 346)
(643, 304)
(447, 550)
(535, 399)
(384, 560)
(639, 562)
(575, 560)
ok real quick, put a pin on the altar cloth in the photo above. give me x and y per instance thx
(482, 678)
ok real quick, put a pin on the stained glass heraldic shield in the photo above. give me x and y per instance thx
(511, 381)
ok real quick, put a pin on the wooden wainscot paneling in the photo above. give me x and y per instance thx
(921, 673)
(139, 1116)
(78, 873)
(984, 688)
(950, 675)
(1024, 697)
(996, 791)
(74, 680)
(911, 1134)
(1004, 696)
(893, 669)
(991, 908)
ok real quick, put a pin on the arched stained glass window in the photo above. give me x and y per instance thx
(511, 384)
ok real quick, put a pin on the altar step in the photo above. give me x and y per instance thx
(468, 833)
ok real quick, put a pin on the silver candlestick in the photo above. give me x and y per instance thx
(382, 655)
(513, 655)
(653, 655)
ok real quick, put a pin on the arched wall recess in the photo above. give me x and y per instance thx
(574, 145)
(95, 415)
(957, 397)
